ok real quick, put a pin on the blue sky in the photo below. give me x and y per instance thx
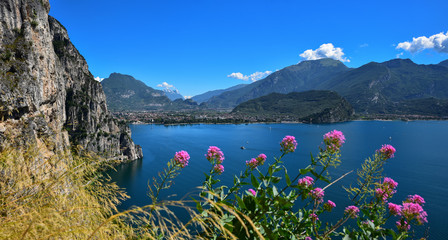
(201, 45)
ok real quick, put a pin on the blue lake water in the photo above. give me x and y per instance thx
(420, 165)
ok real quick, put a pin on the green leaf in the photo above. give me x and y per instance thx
(254, 181)
(288, 181)
(240, 202)
(305, 171)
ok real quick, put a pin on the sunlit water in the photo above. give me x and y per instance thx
(420, 165)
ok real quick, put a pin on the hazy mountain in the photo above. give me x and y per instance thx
(381, 87)
(444, 63)
(306, 75)
(124, 92)
(207, 95)
(310, 106)
(173, 94)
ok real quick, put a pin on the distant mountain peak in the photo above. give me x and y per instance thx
(398, 62)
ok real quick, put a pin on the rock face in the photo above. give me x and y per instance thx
(47, 94)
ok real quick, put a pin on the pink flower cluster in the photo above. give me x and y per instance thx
(352, 211)
(255, 162)
(386, 190)
(214, 154)
(305, 182)
(181, 158)
(387, 151)
(411, 209)
(317, 194)
(329, 205)
(394, 209)
(416, 199)
(252, 192)
(288, 144)
(218, 168)
(334, 140)
(216, 157)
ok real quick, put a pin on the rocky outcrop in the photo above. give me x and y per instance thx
(47, 94)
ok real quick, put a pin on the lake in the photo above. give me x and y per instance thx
(420, 165)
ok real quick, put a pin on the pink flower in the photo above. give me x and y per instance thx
(181, 158)
(288, 144)
(411, 210)
(394, 209)
(329, 205)
(308, 238)
(403, 225)
(390, 183)
(334, 140)
(255, 162)
(314, 217)
(387, 151)
(352, 211)
(252, 191)
(317, 194)
(214, 154)
(386, 190)
(218, 168)
(305, 182)
(416, 199)
(422, 217)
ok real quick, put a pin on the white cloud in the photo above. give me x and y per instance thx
(399, 55)
(326, 50)
(165, 85)
(99, 79)
(253, 77)
(438, 42)
(188, 97)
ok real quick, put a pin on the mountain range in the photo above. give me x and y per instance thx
(374, 88)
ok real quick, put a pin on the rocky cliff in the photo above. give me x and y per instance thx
(47, 94)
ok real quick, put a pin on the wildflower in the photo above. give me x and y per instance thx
(314, 217)
(416, 199)
(308, 238)
(394, 209)
(389, 182)
(255, 162)
(317, 194)
(218, 168)
(387, 189)
(214, 154)
(288, 144)
(387, 151)
(352, 211)
(329, 205)
(334, 140)
(411, 210)
(181, 158)
(422, 217)
(305, 182)
(252, 191)
(403, 225)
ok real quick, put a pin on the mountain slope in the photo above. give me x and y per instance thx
(380, 87)
(303, 76)
(311, 106)
(124, 92)
(444, 63)
(207, 95)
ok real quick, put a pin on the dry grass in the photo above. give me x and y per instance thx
(69, 197)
